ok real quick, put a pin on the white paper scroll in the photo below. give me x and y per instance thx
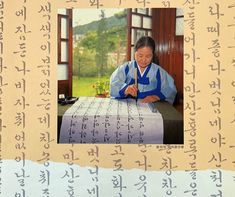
(107, 120)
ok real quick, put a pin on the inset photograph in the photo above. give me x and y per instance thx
(120, 76)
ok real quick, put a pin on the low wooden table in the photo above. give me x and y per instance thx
(172, 121)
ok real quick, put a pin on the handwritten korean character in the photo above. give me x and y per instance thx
(215, 11)
(2, 125)
(45, 85)
(215, 28)
(192, 190)
(46, 29)
(144, 147)
(217, 159)
(166, 4)
(22, 29)
(117, 165)
(190, 19)
(22, 68)
(190, 2)
(192, 127)
(216, 67)
(44, 177)
(70, 175)
(45, 8)
(95, 3)
(1, 4)
(21, 177)
(192, 150)
(20, 194)
(94, 190)
(215, 48)
(94, 170)
(21, 85)
(118, 182)
(70, 191)
(20, 119)
(22, 50)
(45, 69)
(21, 102)
(191, 107)
(21, 12)
(1, 82)
(216, 176)
(45, 157)
(70, 156)
(21, 137)
(143, 163)
(216, 104)
(45, 119)
(167, 164)
(192, 89)
(45, 137)
(191, 38)
(168, 184)
(118, 150)
(192, 72)
(143, 2)
(215, 84)
(46, 47)
(216, 122)
(220, 140)
(166, 148)
(21, 158)
(2, 67)
(141, 185)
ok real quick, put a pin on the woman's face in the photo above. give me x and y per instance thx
(144, 56)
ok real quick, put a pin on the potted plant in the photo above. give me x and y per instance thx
(101, 88)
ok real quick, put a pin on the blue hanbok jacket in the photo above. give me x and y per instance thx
(155, 81)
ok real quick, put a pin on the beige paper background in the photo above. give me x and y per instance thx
(178, 157)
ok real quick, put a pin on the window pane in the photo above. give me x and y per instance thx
(62, 11)
(136, 21)
(142, 10)
(150, 33)
(150, 11)
(133, 32)
(179, 12)
(179, 26)
(64, 51)
(147, 22)
(136, 34)
(62, 72)
(134, 10)
(64, 28)
(132, 53)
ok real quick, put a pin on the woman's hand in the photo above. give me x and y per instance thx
(150, 99)
(131, 90)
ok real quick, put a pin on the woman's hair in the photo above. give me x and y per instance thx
(147, 41)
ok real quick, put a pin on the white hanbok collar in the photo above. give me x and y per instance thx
(141, 74)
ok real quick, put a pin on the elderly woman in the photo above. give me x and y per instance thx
(154, 83)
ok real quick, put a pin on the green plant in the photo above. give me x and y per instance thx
(101, 88)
